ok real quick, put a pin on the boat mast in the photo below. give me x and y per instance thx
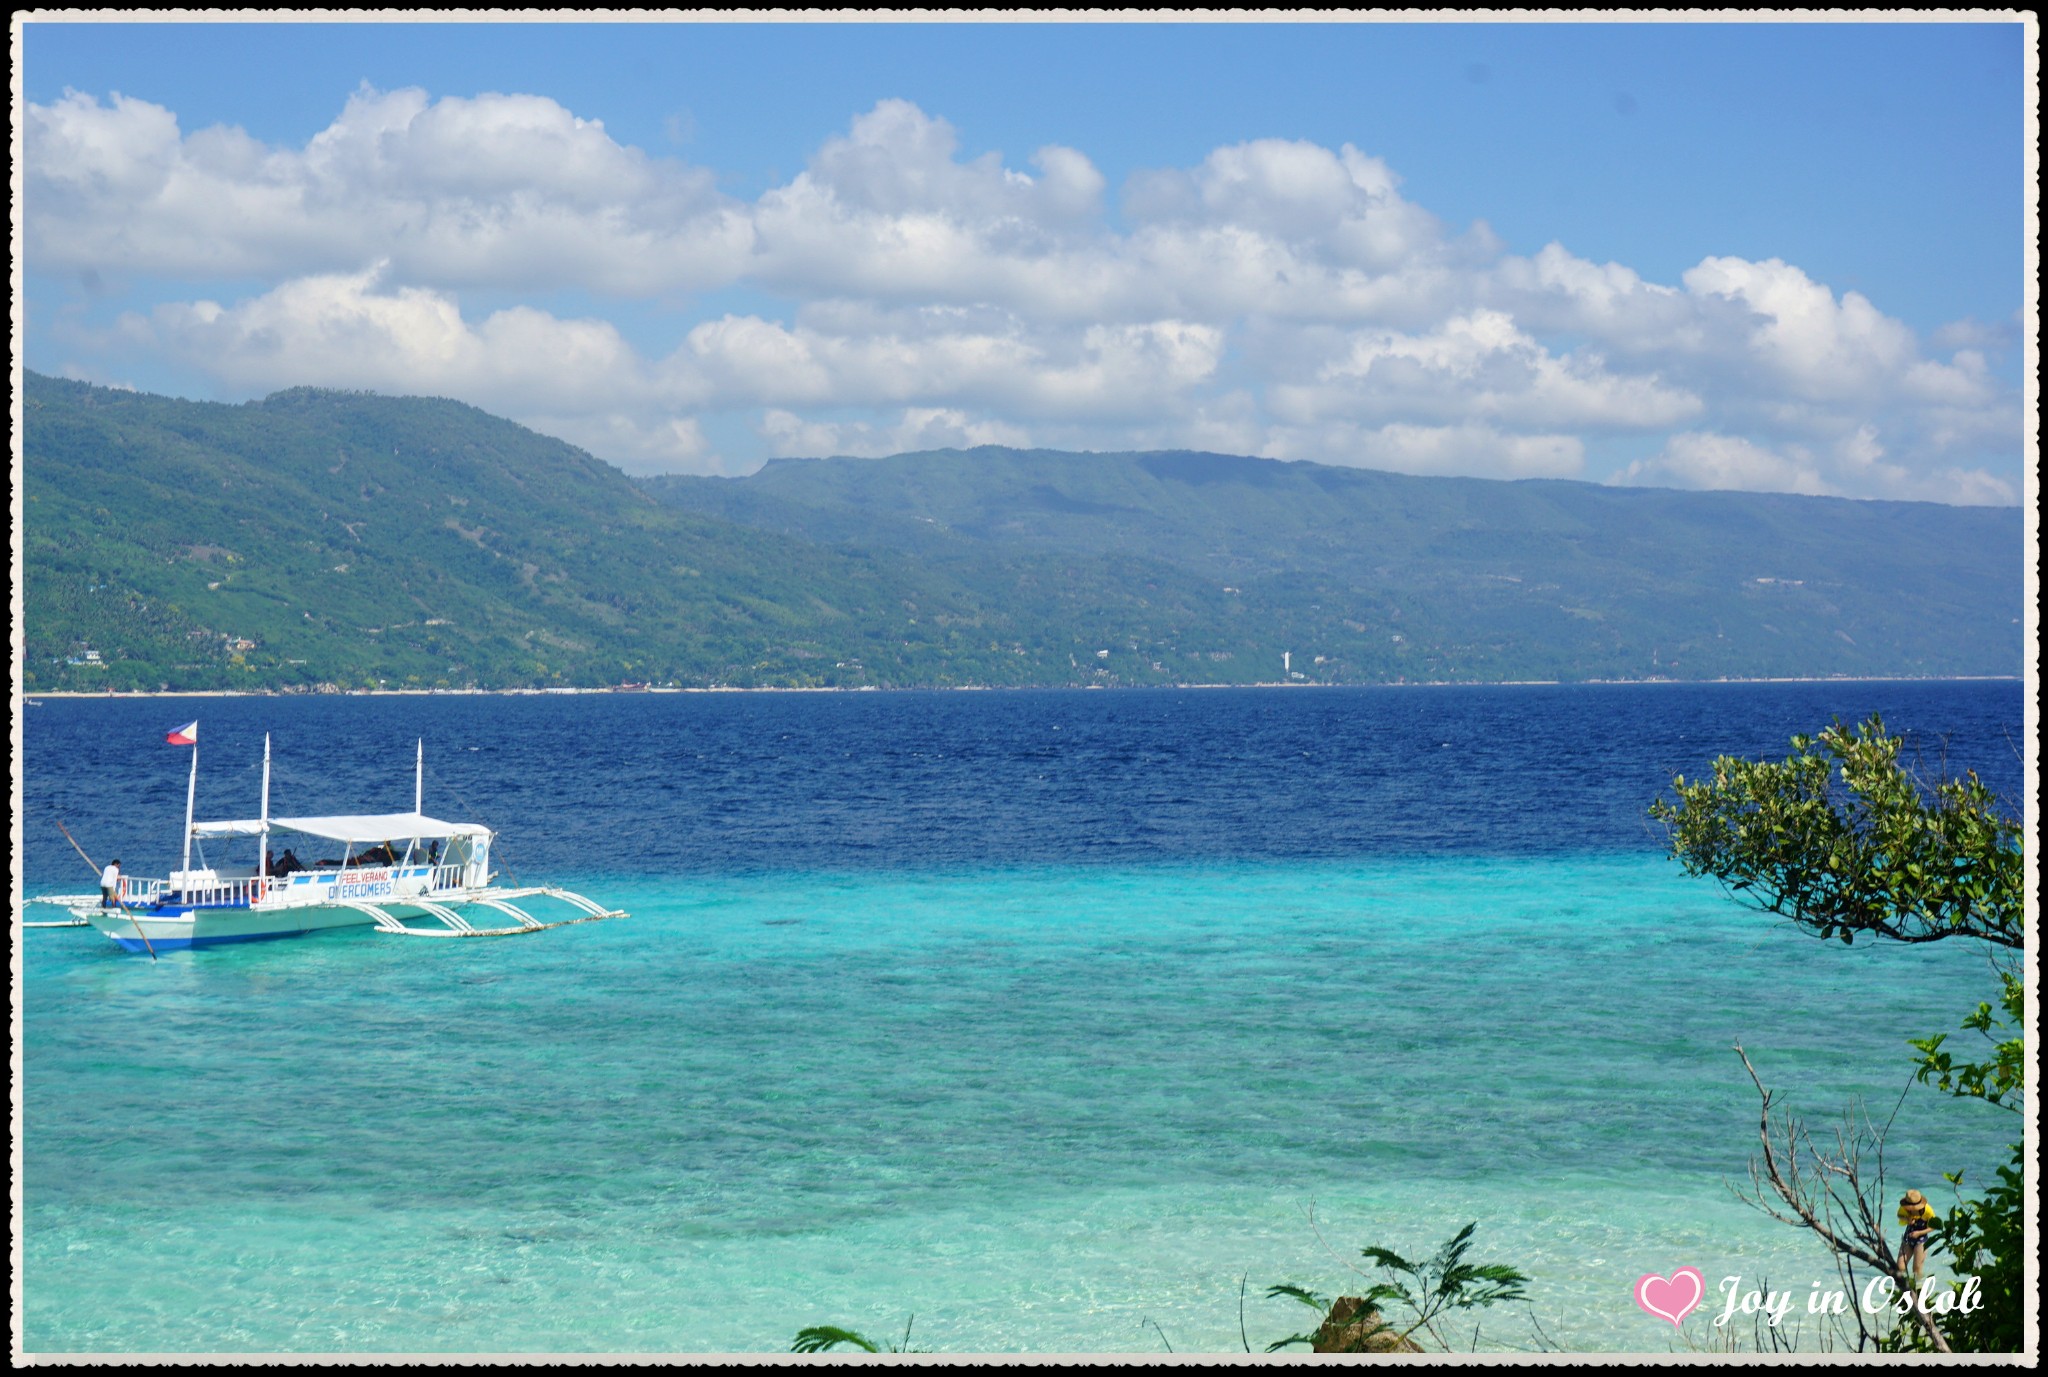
(263, 844)
(191, 794)
(419, 771)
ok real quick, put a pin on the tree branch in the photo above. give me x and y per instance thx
(1866, 1242)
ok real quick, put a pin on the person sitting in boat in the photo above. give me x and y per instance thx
(287, 863)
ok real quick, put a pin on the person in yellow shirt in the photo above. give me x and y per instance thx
(1917, 1218)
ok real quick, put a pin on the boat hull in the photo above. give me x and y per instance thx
(173, 930)
(292, 906)
(436, 913)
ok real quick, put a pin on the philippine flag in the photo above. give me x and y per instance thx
(187, 735)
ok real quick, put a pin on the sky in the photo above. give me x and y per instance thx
(1776, 256)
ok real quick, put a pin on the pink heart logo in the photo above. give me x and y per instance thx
(1671, 1298)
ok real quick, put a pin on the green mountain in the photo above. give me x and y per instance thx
(321, 538)
(1387, 575)
(324, 538)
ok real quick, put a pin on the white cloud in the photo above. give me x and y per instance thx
(349, 330)
(1277, 295)
(1470, 449)
(353, 330)
(1962, 382)
(1480, 365)
(1855, 465)
(897, 160)
(887, 210)
(1342, 206)
(1965, 488)
(1986, 337)
(81, 151)
(1605, 301)
(1701, 459)
(635, 443)
(1805, 340)
(495, 190)
(1102, 370)
(916, 428)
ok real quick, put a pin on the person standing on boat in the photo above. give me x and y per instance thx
(110, 884)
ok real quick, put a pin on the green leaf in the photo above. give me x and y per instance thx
(1308, 1298)
(823, 1337)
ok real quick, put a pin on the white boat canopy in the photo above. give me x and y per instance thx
(348, 827)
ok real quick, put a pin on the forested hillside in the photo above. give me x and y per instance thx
(327, 538)
(318, 538)
(1453, 578)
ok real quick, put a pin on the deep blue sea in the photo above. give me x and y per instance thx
(1052, 1019)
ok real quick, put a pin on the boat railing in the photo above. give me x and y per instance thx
(437, 877)
(140, 892)
(229, 893)
(225, 893)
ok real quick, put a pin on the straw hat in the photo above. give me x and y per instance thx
(1912, 1200)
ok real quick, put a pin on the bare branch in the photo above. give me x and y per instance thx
(1837, 1196)
(1342, 1261)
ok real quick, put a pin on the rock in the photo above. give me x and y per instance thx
(1354, 1327)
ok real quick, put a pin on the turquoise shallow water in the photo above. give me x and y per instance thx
(1043, 1108)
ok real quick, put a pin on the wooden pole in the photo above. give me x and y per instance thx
(117, 892)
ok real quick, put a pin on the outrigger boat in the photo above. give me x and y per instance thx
(413, 877)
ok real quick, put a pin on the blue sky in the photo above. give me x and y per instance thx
(1784, 255)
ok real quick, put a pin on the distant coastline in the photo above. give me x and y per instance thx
(990, 567)
(1013, 688)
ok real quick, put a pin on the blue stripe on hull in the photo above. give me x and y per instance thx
(164, 944)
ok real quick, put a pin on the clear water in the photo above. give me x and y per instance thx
(1046, 1018)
